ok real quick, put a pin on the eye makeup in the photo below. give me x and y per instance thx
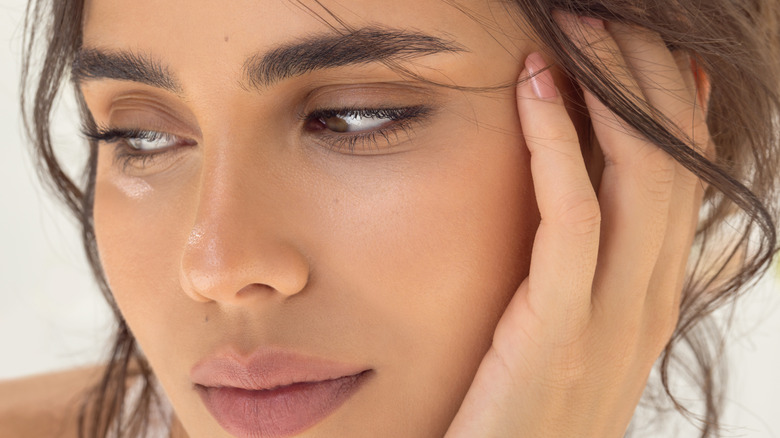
(138, 148)
(352, 130)
(358, 130)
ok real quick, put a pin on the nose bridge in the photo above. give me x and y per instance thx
(236, 244)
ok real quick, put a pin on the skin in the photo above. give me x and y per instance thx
(474, 246)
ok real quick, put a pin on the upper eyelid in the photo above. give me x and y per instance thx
(409, 111)
(151, 111)
(113, 135)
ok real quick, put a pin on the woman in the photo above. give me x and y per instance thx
(411, 218)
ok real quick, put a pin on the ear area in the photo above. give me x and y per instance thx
(703, 85)
(696, 79)
(698, 82)
(703, 88)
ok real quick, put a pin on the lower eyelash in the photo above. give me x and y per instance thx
(364, 141)
(402, 121)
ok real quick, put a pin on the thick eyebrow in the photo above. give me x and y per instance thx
(122, 65)
(362, 46)
(261, 70)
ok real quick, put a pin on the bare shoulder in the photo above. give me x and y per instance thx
(45, 405)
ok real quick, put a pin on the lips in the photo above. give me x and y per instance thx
(274, 393)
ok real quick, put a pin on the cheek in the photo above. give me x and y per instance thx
(448, 242)
(137, 230)
(434, 262)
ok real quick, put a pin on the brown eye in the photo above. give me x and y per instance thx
(355, 129)
(336, 124)
(352, 121)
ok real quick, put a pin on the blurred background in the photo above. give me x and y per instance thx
(52, 316)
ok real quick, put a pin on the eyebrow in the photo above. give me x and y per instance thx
(329, 51)
(93, 64)
(260, 70)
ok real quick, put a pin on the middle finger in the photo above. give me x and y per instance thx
(668, 83)
(635, 189)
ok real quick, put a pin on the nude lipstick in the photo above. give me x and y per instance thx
(274, 393)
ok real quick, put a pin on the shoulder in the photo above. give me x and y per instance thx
(45, 405)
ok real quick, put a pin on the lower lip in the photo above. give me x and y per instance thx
(281, 412)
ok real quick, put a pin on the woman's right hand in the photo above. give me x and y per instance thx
(572, 353)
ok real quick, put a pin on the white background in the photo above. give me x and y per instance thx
(52, 316)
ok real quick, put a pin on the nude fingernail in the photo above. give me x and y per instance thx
(595, 23)
(541, 80)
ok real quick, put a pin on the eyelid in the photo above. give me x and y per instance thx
(125, 154)
(403, 120)
(115, 134)
(394, 113)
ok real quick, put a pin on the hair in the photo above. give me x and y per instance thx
(735, 42)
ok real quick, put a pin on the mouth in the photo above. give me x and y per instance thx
(274, 395)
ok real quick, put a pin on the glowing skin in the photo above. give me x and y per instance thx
(259, 236)
(262, 228)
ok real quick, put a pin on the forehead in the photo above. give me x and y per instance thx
(225, 32)
(181, 18)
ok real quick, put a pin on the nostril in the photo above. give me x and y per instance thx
(256, 288)
(225, 266)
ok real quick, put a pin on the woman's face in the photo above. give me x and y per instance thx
(305, 200)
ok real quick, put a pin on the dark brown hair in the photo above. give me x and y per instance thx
(736, 42)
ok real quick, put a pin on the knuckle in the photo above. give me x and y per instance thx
(685, 176)
(569, 368)
(580, 213)
(655, 173)
(569, 374)
(556, 139)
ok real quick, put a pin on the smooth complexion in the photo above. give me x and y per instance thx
(268, 225)
(401, 256)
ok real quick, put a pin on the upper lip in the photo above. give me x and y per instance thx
(267, 369)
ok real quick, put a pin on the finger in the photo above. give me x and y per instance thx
(657, 72)
(667, 81)
(635, 189)
(566, 244)
(663, 308)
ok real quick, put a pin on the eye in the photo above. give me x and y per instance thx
(138, 140)
(137, 148)
(354, 122)
(349, 120)
(151, 141)
(364, 130)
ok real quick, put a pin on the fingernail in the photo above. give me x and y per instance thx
(595, 23)
(541, 81)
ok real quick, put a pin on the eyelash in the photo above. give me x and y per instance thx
(400, 120)
(126, 155)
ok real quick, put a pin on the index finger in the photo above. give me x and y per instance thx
(566, 245)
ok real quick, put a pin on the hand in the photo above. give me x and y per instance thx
(572, 353)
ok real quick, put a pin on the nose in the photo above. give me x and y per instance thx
(239, 246)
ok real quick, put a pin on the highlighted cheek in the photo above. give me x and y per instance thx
(133, 187)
